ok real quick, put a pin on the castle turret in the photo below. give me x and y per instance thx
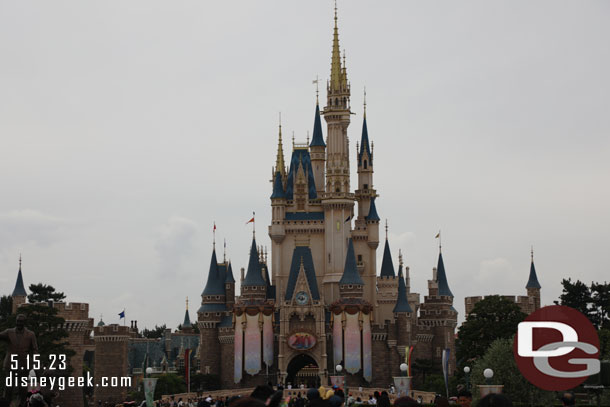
(533, 286)
(387, 284)
(351, 284)
(365, 192)
(19, 294)
(186, 325)
(230, 287)
(254, 285)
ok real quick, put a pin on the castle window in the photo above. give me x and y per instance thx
(218, 314)
(206, 314)
(366, 186)
(218, 297)
(359, 258)
(365, 165)
(438, 352)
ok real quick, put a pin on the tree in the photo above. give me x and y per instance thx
(44, 293)
(169, 384)
(6, 308)
(492, 318)
(205, 382)
(155, 333)
(499, 357)
(46, 325)
(593, 301)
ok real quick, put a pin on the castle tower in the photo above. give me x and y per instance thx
(186, 325)
(387, 285)
(111, 361)
(403, 322)
(365, 191)
(210, 314)
(254, 286)
(230, 287)
(19, 294)
(438, 317)
(533, 287)
(337, 201)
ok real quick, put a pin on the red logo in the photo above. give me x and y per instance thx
(556, 348)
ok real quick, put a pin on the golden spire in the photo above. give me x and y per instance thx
(335, 67)
(279, 161)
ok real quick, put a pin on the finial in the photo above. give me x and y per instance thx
(214, 236)
(438, 236)
(224, 255)
(293, 139)
(187, 303)
(101, 317)
(372, 147)
(307, 137)
(19, 261)
(335, 13)
(532, 253)
(357, 147)
(343, 58)
(386, 229)
(253, 225)
(316, 82)
(400, 257)
(365, 101)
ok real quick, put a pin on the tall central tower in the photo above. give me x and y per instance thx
(337, 201)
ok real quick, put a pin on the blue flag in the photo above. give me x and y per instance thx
(122, 314)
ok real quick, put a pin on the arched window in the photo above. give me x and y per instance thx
(365, 164)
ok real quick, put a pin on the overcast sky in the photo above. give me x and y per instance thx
(128, 127)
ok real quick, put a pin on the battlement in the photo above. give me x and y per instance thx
(526, 303)
(72, 311)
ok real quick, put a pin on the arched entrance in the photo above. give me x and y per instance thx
(303, 369)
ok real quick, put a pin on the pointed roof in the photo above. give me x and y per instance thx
(532, 282)
(278, 187)
(215, 284)
(441, 278)
(254, 275)
(350, 272)
(279, 160)
(300, 159)
(387, 265)
(364, 144)
(373, 211)
(302, 253)
(335, 67)
(318, 138)
(402, 304)
(19, 287)
(229, 278)
(187, 320)
(101, 323)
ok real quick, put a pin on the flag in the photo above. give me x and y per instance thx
(250, 221)
(187, 369)
(437, 235)
(445, 361)
(348, 218)
(122, 314)
(214, 226)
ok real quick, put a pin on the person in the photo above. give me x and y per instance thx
(406, 402)
(350, 400)
(21, 344)
(384, 399)
(568, 399)
(495, 400)
(464, 398)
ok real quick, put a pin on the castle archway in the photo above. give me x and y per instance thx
(303, 369)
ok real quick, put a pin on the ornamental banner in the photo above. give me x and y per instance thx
(301, 341)
(367, 351)
(352, 343)
(268, 339)
(337, 339)
(239, 348)
(252, 339)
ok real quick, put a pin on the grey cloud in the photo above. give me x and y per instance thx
(174, 243)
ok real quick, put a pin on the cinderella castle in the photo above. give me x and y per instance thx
(319, 301)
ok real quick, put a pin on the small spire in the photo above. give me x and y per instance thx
(224, 254)
(293, 140)
(214, 236)
(187, 303)
(532, 253)
(386, 229)
(438, 236)
(316, 82)
(307, 137)
(364, 102)
(279, 161)
(335, 70)
(19, 261)
(400, 263)
(253, 225)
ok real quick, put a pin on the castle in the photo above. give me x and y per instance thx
(322, 302)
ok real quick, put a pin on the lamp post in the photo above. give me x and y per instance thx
(149, 387)
(488, 388)
(467, 373)
(403, 382)
(338, 380)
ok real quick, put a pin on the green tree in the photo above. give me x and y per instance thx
(169, 384)
(576, 295)
(44, 293)
(6, 308)
(492, 318)
(155, 333)
(205, 382)
(499, 357)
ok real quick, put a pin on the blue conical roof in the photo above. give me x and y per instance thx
(441, 278)
(187, 320)
(402, 303)
(215, 284)
(318, 138)
(254, 275)
(533, 280)
(364, 144)
(387, 265)
(373, 211)
(19, 287)
(229, 278)
(278, 187)
(350, 273)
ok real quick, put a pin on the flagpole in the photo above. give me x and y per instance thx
(253, 224)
